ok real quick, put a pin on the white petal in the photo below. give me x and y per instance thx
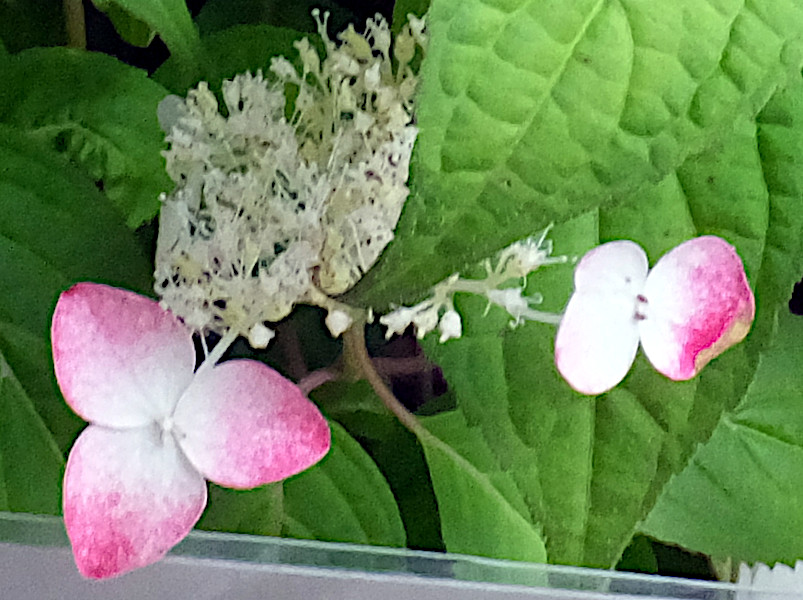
(597, 341)
(619, 266)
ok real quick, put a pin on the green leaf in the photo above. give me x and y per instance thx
(169, 18)
(130, 29)
(31, 23)
(720, 191)
(98, 111)
(740, 496)
(396, 452)
(55, 229)
(639, 556)
(779, 141)
(590, 469)
(236, 50)
(490, 496)
(531, 113)
(481, 511)
(31, 464)
(780, 144)
(344, 498)
(218, 15)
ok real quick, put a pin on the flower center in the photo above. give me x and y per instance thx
(168, 424)
(167, 427)
(640, 312)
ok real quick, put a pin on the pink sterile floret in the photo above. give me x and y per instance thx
(135, 484)
(693, 305)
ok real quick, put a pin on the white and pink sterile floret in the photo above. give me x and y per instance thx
(694, 304)
(135, 482)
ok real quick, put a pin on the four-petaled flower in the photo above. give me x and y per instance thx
(694, 304)
(135, 479)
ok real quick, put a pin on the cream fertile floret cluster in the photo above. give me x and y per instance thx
(293, 195)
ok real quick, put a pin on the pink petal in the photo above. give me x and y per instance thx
(700, 304)
(244, 425)
(597, 339)
(129, 496)
(120, 359)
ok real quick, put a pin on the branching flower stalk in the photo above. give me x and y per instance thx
(513, 263)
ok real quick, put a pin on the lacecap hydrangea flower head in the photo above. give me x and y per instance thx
(135, 482)
(693, 305)
(270, 210)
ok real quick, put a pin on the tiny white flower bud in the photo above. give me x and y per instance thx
(397, 321)
(425, 321)
(451, 327)
(284, 69)
(260, 336)
(338, 321)
(511, 300)
(372, 77)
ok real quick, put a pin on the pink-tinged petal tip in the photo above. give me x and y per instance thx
(129, 497)
(243, 425)
(120, 359)
(700, 304)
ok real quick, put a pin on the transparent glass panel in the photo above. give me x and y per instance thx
(35, 563)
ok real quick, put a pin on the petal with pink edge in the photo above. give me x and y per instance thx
(699, 305)
(129, 497)
(596, 342)
(120, 359)
(243, 425)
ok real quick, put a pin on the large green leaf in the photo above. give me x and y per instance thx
(590, 469)
(344, 498)
(530, 112)
(740, 495)
(30, 461)
(485, 468)
(169, 18)
(100, 112)
(55, 229)
(779, 144)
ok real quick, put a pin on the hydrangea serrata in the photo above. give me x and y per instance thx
(693, 305)
(135, 482)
